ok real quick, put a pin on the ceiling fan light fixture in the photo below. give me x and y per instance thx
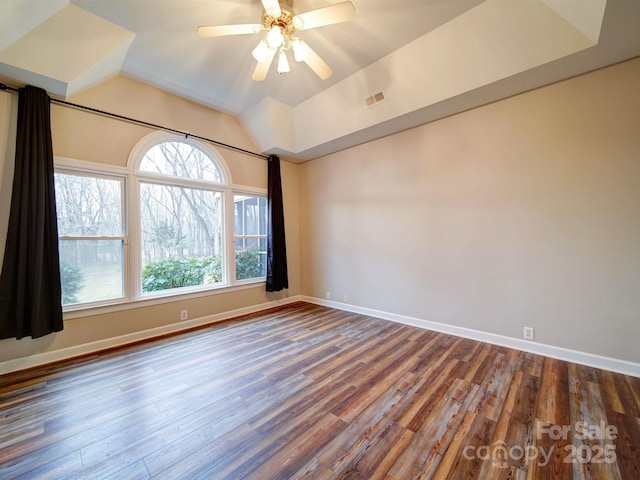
(260, 52)
(300, 51)
(280, 23)
(283, 63)
(275, 37)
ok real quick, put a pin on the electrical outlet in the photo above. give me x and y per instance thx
(529, 333)
(327, 295)
(184, 314)
(345, 299)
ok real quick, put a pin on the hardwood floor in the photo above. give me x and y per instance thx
(309, 392)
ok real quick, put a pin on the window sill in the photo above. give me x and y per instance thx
(119, 305)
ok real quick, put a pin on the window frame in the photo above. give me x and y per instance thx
(131, 179)
(136, 254)
(67, 167)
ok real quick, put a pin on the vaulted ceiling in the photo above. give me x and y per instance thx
(431, 58)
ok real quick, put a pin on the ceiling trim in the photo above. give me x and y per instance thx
(69, 51)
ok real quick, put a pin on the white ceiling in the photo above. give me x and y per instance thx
(433, 58)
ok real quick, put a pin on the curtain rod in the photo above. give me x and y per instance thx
(145, 124)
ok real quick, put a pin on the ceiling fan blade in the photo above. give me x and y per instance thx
(262, 68)
(223, 30)
(316, 63)
(272, 7)
(338, 13)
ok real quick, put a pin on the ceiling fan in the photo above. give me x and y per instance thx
(282, 23)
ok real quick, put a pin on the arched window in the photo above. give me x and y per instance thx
(182, 190)
(172, 222)
(179, 159)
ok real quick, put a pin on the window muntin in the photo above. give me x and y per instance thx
(250, 236)
(181, 160)
(91, 237)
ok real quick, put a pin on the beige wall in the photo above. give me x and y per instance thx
(98, 139)
(525, 212)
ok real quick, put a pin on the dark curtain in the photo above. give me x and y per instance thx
(277, 278)
(30, 292)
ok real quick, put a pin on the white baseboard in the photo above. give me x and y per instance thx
(605, 363)
(43, 358)
(592, 360)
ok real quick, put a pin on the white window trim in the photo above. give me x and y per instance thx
(75, 167)
(134, 297)
(156, 138)
(75, 311)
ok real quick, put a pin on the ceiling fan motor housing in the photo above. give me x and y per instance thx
(284, 21)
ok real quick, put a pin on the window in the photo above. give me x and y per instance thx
(182, 160)
(91, 232)
(168, 224)
(181, 218)
(250, 236)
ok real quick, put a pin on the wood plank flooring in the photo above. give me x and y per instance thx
(310, 392)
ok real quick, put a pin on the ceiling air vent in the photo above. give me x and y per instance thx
(375, 98)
